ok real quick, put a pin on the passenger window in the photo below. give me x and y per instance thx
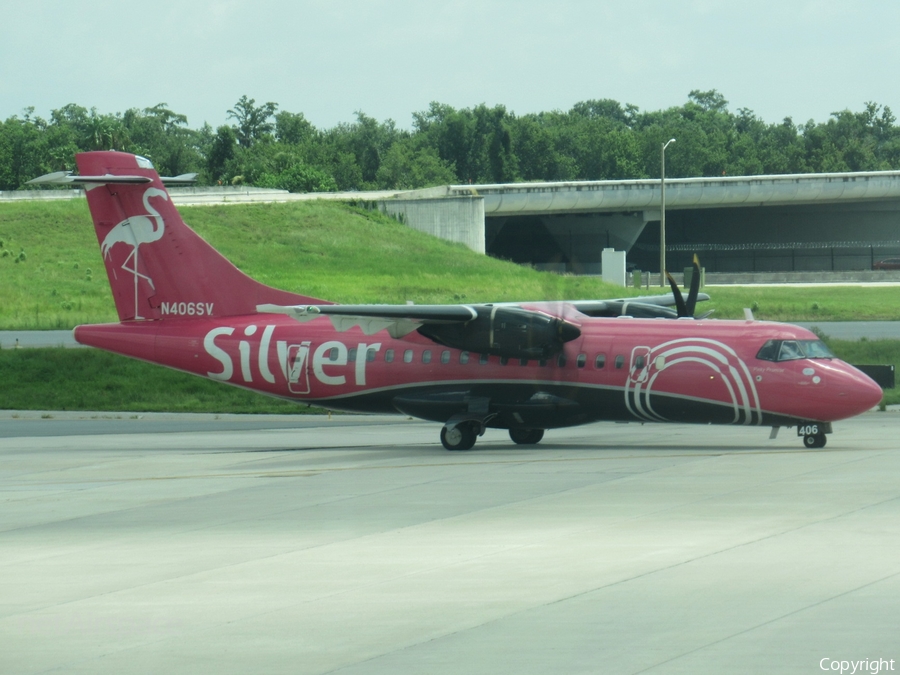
(482, 359)
(351, 355)
(389, 356)
(426, 356)
(504, 360)
(407, 356)
(561, 360)
(370, 354)
(523, 362)
(464, 357)
(445, 356)
(333, 354)
(620, 361)
(639, 362)
(582, 359)
(600, 361)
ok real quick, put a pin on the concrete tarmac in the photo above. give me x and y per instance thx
(358, 545)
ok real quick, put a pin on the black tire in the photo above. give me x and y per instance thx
(526, 436)
(460, 437)
(814, 441)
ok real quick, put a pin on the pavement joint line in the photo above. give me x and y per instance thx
(769, 622)
(674, 566)
(302, 473)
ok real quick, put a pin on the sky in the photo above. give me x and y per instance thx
(391, 58)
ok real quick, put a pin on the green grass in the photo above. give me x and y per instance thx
(88, 379)
(62, 281)
(324, 249)
(816, 303)
(337, 252)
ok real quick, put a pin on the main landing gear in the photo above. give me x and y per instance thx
(462, 435)
(526, 436)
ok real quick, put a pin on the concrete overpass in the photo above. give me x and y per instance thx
(565, 225)
(795, 222)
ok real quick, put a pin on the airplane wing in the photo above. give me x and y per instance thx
(399, 320)
(514, 330)
(504, 330)
(646, 306)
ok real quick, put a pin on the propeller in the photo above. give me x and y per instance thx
(686, 307)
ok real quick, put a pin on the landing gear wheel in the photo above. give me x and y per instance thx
(814, 440)
(460, 437)
(526, 436)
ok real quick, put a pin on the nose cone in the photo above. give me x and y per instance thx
(568, 331)
(857, 391)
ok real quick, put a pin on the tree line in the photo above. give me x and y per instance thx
(594, 140)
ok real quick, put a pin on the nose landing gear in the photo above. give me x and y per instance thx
(814, 440)
(814, 433)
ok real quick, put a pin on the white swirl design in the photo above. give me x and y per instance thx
(717, 356)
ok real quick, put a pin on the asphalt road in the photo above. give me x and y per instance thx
(358, 545)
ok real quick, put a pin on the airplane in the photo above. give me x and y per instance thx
(525, 367)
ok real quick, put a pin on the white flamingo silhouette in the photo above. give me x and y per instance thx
(135, 231)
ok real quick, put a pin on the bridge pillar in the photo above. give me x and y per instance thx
(459, 219)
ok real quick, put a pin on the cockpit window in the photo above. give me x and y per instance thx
(791, 350)
(769, 351)
(816, 349)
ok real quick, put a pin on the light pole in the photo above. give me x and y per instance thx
(662, 213)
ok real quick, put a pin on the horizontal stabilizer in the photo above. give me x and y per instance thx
(66, 178)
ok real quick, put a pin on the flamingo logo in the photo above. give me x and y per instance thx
(134, 231)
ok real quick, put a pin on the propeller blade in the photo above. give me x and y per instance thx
(695, 288)
(680, 307)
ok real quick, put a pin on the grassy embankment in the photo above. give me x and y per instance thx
(318, 248)
(339, 253)
(323, 249)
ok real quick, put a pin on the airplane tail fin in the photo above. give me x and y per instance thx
(157, 266)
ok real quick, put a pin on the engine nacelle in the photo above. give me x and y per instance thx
(506, 331)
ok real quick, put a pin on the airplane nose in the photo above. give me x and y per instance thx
(860, 391)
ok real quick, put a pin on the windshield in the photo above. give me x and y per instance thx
(791, 350)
